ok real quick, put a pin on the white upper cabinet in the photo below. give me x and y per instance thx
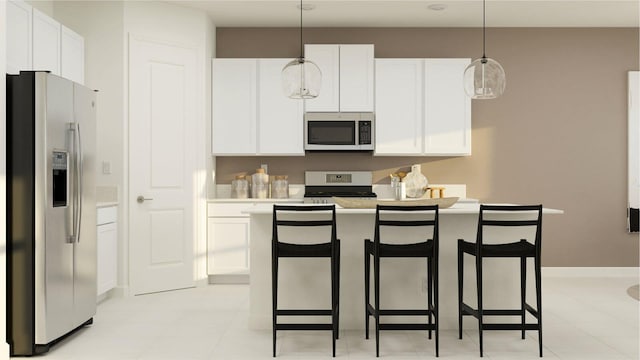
(251, 113)
(72, 55)
(327, 57)
(19, 37)
(356, 78)
(234, 106)
(37, 42)
(280, 119)
(347, 77)
(447, 108)
(399, 104)
(421, 108)
(46, 43)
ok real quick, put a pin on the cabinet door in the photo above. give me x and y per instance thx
(356, 78)
(107, 258)
(46, 43)
(234, 107)
(280, 119)
(327, 57)
(447, 108)
(19, 37)
(399, 100)
(228, 246)
(72, 55)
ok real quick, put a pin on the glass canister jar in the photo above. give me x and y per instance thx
(280, 187)
(259, 184)
(240, 187)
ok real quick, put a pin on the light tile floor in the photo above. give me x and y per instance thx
(584, 318)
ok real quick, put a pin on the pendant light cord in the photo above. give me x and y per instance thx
(484, 27)
(301, 48)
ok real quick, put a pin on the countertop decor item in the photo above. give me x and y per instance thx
(240, 187)
(259, 184)
(350, 203)
(416, 182)
(484, 78)
(301, 78)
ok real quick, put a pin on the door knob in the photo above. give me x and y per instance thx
(141, 199)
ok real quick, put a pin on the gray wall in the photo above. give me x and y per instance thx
(558, 136)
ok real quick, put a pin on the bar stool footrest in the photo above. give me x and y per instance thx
(394, 312)
(407, 327)
(509, 326)
(304, 326)
(303, 312)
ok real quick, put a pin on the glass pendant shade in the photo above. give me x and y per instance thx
(484, 78)
(301, 79)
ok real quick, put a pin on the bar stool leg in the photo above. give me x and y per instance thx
(274, 300)
(479, 285)
(429, 295)
(523, 290)
(539, 300)
(460, 287)
(337, 279)
(367, 270)
(436, 306)
(376, 285)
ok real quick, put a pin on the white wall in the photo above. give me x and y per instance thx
(101, 23)
(106, 26)
(46, 6)
(4, 347)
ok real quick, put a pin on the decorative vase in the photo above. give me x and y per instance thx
(416, 183)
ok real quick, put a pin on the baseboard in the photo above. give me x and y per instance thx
(202, 282)
(119, 291)
(590, 271)
(4, 350)
(229, 279)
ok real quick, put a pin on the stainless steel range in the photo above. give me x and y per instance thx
(320, 186)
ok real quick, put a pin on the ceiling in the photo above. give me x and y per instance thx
(415, 13)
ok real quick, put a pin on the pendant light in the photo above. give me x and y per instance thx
(484, 78)
(301, 78)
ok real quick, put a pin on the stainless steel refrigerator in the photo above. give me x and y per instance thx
(51, 212)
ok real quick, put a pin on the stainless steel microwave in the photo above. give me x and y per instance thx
(339, 131)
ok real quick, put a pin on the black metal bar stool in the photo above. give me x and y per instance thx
(518, 216)
(324, 215)
(427, 249)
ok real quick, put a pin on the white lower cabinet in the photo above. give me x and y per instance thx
(107, 239)
(228, 242)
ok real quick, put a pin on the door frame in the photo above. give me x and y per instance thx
(199, 192)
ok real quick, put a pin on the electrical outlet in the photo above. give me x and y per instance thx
(106, 167)
(265, 167)
(425, 285)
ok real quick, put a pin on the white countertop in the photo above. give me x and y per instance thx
(102, 204)
(460, 208)
(257, 201)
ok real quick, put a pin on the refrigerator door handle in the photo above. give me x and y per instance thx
(71, 128)
(74, 129)
(80, 179)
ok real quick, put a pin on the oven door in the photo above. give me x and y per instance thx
(330, 135)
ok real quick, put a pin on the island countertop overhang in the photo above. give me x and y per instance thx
(461, 208)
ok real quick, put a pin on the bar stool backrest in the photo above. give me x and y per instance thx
(322, 215)
(430, 219)
(510, 216)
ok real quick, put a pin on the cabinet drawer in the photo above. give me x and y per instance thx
(107, 215)
(228, 210)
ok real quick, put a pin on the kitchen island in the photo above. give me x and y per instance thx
(305, 283)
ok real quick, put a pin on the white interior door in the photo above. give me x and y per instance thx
(162, 167)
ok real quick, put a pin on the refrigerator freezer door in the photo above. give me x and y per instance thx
(54, 253)
(85, 257)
